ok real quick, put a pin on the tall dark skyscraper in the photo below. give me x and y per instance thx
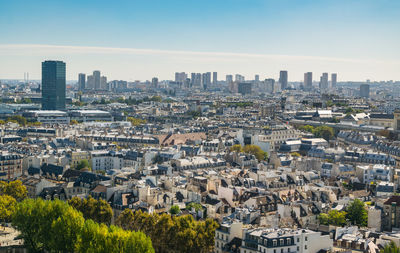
(215, 78)
(53, 85)
(81, 81)
(333, 80)
(96, 78)
(308, 81)
(283, 79)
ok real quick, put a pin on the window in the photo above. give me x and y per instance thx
(288, 241)
(298, 239)
(306, 238)
(305, 246)
(274, 243)
(281, 250)
(298, 248)
(288, 249)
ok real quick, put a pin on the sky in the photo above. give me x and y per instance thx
(138, 40)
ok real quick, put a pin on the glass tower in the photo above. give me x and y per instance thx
(53, 85)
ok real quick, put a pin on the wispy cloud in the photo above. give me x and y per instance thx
(60, 49)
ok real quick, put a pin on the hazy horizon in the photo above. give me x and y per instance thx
(136, 40)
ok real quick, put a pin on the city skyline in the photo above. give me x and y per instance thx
(356, 39)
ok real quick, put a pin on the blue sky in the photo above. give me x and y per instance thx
(358, 39)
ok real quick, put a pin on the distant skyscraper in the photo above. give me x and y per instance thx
(256, 78)
(364, 90)
(308, 81)
(324, 84)
(270, 85)
(244, 88)
(229, 79)
(103, 83)
(239, 78)
(283, 79)
(180, 77)
(53, 85)
(206, 80)
(90, 82)
(154, 82)
(81, 81)
(215, 78)
(96, 80)
(333, 80)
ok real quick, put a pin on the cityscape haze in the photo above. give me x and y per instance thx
(232, 126)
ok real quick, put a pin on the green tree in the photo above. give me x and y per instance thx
(296, 154)
(174, 210)
(171, 233)
(98, 210)
(256, 151)
(136, 121)
(390, 248)
(237, 148)
(51, 226)
(14, 189)
(356, 213)
(7, 207)
(19, 119)
(324, 132)
(83, 164)
(307, 128)
(73, 122)
(197, 207)
(55, 226)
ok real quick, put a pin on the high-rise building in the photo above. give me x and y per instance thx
(154, 82)
(324, 84)
(90, 82)
(206, 80)
(308, 81)
(103, 83)
(180, 77)
(81, 81)
(96, 80)
(283, 79)
(270, 85)
(239, 78)
(229, 79)
(53, 85)
(244, 88)
(215, 78)
(364, 90)
(257, 78)
(333, 80)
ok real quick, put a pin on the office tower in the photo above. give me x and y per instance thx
(323, 84)
(154, 82)
(215, 78)
(180, 77)
(333, 80)
(96, 80)
(198, 80)
(270, 85)
(308, 81)
(206, 80)
(90, 82)
(53, 85)
(256, 78)
(283, 79)
(239, 78)
(103, 83)
(244, 88)
(81, 81)
(229, 79)
(364, 90)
